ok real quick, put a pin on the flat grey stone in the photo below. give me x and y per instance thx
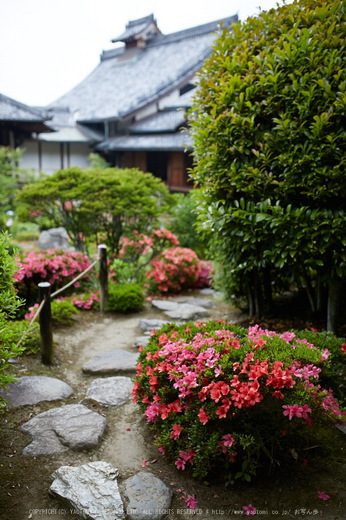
(91, 490)
(191, 300)
(186, 312)
(111, 362)
(111, 391)
(149, 325)
(207, 291)
(72, 426)
(34, 389)
(141, 341)
(148, 497)
(164, 305)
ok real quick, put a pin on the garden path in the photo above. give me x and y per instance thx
(127, 443)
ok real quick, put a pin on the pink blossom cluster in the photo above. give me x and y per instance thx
(205, 274)
(85, 301)
(305, 372)
(142, 244)
(54, 266)
(173, 270)
(297, 410)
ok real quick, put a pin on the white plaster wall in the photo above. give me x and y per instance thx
(29, 159)
(79, 153)
(51, 156)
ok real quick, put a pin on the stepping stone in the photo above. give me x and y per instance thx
(207, 291)
(72, 426)
(34, 389)
(165, 305)
(91, 490)
(111, 362)
(111, 391)
(149, 325)
(145, 493)
(195, 301)
(186, 312)
(141, 341)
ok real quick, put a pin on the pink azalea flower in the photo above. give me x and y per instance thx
(250, 510)
(180, 463)
(322, 495)
(191, 502)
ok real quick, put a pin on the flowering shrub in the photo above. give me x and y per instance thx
(220, 394)
(205, 274)
(53, 266)
(174, 270)
(137, 252)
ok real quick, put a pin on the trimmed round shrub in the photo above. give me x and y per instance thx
(126, 297)
(63, 312)
(221, 396)
(174, 270)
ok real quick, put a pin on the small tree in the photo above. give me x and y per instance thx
(98, 203)
(268, 130)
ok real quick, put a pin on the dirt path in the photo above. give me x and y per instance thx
(128, 443)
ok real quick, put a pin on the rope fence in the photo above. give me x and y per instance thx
(44, 308)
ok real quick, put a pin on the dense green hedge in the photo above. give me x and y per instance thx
(268, 126)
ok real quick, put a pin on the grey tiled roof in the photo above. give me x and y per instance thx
(165, 121)
(12, 110)
(119, 87)
(163, 142)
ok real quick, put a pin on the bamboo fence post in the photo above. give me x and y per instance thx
(46, 325)
(102, 249)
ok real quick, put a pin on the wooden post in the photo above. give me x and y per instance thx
(46, 325)
(102, 248)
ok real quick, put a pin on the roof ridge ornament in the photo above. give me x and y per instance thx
(138, 32)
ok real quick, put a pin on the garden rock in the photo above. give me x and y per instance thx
(148, 497)
(111, 362)
(148, 325)
(54, 238)
(111, 391)
(187, 312)
(34, 389)
(92, 490)
(72, 426)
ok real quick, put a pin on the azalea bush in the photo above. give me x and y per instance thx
(53, 266)
(218, 395)
(136, 253)
(174, 270)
